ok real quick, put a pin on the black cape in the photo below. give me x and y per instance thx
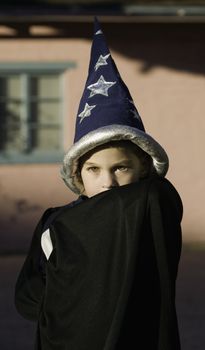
(109, 283)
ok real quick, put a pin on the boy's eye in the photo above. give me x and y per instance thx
(93, 169)
(122, 168)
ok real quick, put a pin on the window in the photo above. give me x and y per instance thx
(31, 114)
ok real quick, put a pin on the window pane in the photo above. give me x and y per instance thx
(45, 139)
(2, 87)
(13, 112)
(10, 87)
(45, 86)
(45, 112)
(45, 126)
(13, 87)
(49, 139)
(10, 126)
(44, 116)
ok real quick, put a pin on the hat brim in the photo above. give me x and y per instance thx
(104, 135)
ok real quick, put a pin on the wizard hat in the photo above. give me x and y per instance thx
(107, 113)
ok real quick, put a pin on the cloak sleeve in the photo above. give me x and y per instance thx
(165, 212)
(31, 280)
(150, 320)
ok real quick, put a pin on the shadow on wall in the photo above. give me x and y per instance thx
(17, 225)
(174, 45)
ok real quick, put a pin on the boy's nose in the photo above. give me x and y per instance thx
(109, 181)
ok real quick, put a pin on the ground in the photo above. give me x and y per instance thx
(18, 334)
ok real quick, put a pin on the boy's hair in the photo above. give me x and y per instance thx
(145, 159)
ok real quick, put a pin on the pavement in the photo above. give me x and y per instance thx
(18, 334)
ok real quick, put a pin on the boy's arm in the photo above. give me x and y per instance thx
(31, 281)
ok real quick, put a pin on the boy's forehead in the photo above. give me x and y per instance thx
(121, 145)
(113, 152)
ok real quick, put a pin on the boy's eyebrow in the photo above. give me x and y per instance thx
(123, 161)
(89, 163)
(127, 161)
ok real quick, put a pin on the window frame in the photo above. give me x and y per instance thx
(26, 70)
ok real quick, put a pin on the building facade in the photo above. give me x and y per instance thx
(43, 68)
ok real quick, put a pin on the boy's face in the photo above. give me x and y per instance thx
(108, 168)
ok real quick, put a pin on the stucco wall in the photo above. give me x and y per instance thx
(170, 100)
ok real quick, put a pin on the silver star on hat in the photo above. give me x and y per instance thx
(102, 61)
(100, 87)
(86, 112)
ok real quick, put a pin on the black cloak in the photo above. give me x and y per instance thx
(109, 283)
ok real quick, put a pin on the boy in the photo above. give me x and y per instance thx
(101, 271)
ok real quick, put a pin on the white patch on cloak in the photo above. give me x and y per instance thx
(46, 243)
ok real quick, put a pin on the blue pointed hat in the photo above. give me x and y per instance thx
(107, 113)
